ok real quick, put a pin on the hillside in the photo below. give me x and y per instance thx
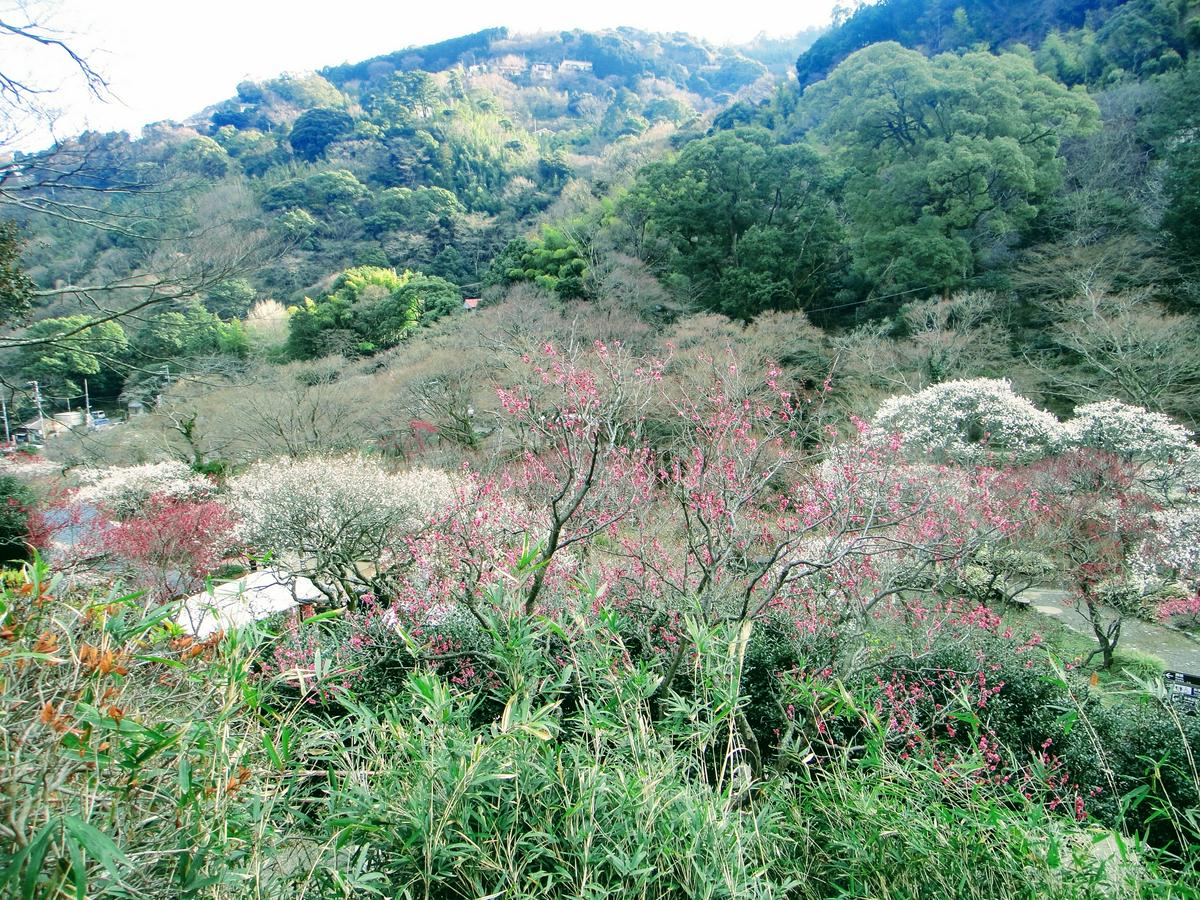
(1127, 35)
(670, 177)
(627, 164)
(502, 123)
(622, 58)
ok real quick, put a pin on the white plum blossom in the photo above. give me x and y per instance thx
(283, 499)
(1171, 550)
(967, 421)
(123, 491)
(28, 465)
(1160, 444)
(338, 520)
(1128, 431)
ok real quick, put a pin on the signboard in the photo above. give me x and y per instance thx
(1184, 689)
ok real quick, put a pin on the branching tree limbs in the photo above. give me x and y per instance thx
(175, 243)
(1125, 345)
(23, 26)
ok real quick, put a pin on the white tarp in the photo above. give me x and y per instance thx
(252, 597)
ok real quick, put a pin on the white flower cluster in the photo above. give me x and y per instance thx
(349, 505)
(122, 491)
(1172, 549)
(1137, 434)
(26, 465)
(966, 421)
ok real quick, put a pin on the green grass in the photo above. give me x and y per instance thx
(1071, 646)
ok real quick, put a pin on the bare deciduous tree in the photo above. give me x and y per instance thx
(1127, 346)
(22, 97)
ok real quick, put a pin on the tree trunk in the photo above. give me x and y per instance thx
(1106, 635)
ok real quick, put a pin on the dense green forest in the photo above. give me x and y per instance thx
(610, 464)
(1109, 39)
(431, 160)
(1037, 168)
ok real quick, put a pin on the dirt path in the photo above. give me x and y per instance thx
(1179, 652)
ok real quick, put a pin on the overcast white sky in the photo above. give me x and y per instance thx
(167, 59)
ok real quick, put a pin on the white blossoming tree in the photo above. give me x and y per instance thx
(1171, 550)
(340, 521)
(1119, 484)
(1160, 448)
(968, 421)
(123, 492)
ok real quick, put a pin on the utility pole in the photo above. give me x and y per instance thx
(4, 406)
(166, 375)
(87, 406)
(37, 398)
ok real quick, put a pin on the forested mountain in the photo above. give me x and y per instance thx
(1118, 35)
(1027, 157)
(430, 159)
(625, 55)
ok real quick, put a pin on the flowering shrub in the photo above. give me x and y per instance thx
(28, 465)
(980, 710)
(1171, 549)
(941, 713)
(363, 652)
(123, 491)
(731, 520)
(173, 545)
(1097, 515)
(968, 421)
(1128, 431)
(1104, 475)
(1180, 611)
(470, 546)
(338, 520)
(965, 421)
(585, 463)
(1161, 447)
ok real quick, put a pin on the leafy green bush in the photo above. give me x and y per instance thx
(552, 260)
(1152, 752)
(1129, 760)
(131, 762)
(15, 498)
(602, 796)
(142, 763)
(378, 306)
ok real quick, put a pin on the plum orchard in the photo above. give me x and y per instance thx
(724, 503)
(736, 517)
